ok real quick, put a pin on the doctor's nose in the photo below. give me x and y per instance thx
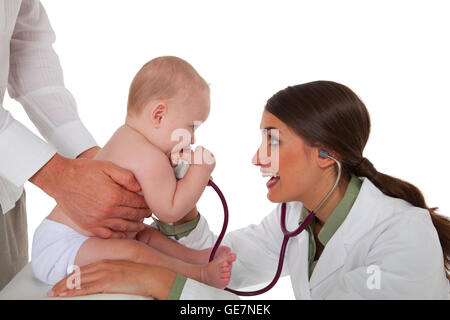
(260, 160)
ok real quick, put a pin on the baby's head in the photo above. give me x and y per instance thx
(167, 95)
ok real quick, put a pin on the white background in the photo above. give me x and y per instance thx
(393, 54)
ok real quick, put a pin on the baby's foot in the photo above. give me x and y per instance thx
(202, 256)
(217, 273)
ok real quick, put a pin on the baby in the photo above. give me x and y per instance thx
(167, 98)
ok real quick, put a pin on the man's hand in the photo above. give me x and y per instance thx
(89, 153)
(97, 195)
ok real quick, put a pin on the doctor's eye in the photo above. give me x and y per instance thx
(273, 141)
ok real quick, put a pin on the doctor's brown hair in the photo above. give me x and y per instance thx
(330, 115)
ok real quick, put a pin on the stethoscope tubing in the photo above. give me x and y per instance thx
(225, 219)
(287, 234)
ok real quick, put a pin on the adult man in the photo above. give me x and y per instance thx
(98, 195)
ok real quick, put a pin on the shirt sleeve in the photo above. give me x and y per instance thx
(36, 81)
(177, 287)
(22, 152)
(177, 231)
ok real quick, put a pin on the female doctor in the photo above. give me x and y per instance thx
(374, 237)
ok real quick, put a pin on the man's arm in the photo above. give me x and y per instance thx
(36, 81)
(97, 195)
(23, 153)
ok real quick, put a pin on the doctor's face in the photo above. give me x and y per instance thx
(286, 160)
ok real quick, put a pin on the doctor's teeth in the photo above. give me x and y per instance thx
(272, 175)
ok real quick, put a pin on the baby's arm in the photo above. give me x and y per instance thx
(168, 198)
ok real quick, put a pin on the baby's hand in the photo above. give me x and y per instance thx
(203, 156)
(188, 155)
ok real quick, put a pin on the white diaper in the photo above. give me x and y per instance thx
(54, 249)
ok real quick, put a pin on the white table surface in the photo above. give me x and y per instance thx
(24, 286)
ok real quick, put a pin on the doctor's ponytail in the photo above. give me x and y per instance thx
(330, 115)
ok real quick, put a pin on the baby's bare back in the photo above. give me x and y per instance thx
(122, 149)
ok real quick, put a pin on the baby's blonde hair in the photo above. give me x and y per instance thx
(161, 79)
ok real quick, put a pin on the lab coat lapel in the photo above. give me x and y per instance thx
(359, 221)
(331, 259)
(298, 260)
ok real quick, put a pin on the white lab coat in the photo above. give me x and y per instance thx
(384, 249)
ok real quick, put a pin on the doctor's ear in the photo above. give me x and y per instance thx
(323, 157)
(157, 114)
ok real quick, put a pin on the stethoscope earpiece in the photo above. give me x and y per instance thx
(323, 153)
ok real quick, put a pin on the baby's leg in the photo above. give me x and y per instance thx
(216, 273)
(159, 241)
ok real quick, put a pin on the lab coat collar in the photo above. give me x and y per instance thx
(362, 217)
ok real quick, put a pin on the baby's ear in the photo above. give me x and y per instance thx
(158, 113)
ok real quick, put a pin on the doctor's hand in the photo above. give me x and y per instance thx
(97, 195)
(116, 276)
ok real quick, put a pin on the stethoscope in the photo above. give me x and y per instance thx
(287, 234)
